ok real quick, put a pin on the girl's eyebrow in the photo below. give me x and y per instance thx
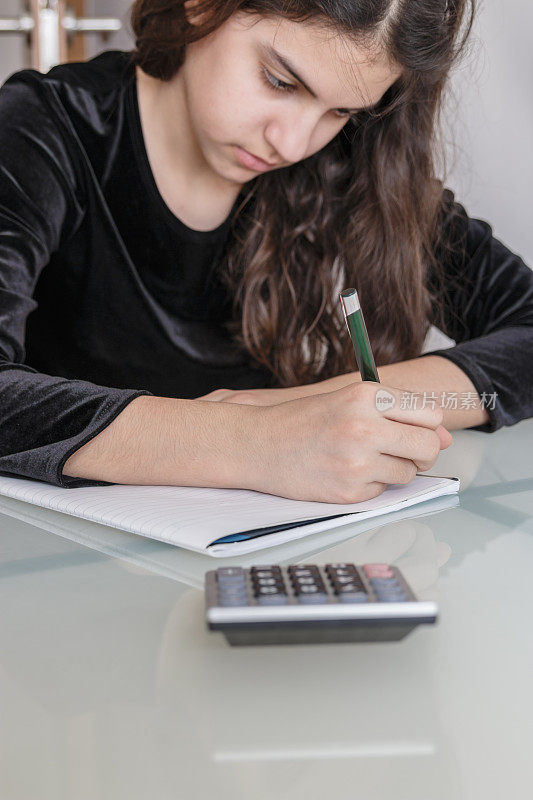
(272, 53)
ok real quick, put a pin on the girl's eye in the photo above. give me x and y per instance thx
(344, 115)
(275, 83)
(280, 86)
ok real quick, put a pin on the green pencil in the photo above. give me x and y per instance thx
(359, 336)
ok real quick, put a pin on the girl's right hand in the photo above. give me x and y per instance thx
(337, 447)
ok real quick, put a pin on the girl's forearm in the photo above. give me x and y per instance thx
(433, 380)
(166, 441)
(159, 440)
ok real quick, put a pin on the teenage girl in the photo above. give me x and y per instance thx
(176, 224)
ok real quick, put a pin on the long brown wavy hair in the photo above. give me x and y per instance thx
(365, 211)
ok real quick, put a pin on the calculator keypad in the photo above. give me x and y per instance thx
(308, 584)
(268, 586)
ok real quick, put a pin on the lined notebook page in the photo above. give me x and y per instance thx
(196, 517)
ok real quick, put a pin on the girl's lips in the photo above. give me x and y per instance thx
(251, 162)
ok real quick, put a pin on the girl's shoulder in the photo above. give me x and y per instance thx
(73, 112)
(99, 75)
(86, 90)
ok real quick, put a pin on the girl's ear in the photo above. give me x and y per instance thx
(191, 14)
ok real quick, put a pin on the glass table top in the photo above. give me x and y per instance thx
(112, 687)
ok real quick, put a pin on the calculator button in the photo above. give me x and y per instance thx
(231, 580)
(377, 570)
(269, 590)
(230, 572)
(390, 592)
(309, 588)
(238, 597)
(232, 588)
(260, 574)
(344, 588)
(392, 598)
(231, 584)
(353, 597)
(341, 569)
(345, 578)
(272, 599)
(381, 577)
(309, 599)
(277, 582)
(313, 589)
(348, 589)
(305, 578)
(265, 572)
(276, 589)
(340, 579)
(383, 582)
(293, 567)
(393, 592)
(304, 572)
(385, 586)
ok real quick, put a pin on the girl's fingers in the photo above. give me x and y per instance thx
(419, 445)
(394, 404)
(395, 470)
(445, 437)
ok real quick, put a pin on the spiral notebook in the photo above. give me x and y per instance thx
(217, 522)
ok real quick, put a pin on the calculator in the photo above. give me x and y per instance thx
(309, 604)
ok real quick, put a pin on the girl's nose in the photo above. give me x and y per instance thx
(290, 137)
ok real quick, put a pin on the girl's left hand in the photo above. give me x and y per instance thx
(254, 397)
(273, 397)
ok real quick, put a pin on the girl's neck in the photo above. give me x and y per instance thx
(185, 181)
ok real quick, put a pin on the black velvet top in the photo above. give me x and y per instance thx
(105, 295)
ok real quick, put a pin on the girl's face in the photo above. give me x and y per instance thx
(274, 90)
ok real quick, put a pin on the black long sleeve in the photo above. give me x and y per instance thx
(487, 299)
(43, 418)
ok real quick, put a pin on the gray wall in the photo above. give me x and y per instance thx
(490, 113)
(491, 120)
(13, 52)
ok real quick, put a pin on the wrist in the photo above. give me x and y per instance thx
(328, 385)
(250, 431)
(210, 444)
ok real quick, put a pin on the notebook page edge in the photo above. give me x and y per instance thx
(274, 539)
